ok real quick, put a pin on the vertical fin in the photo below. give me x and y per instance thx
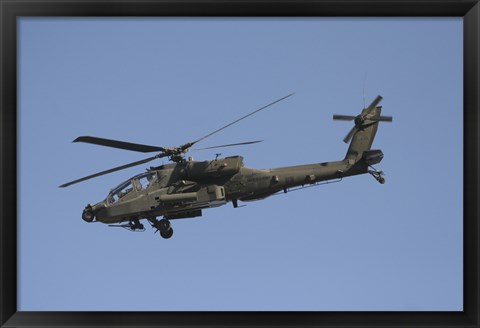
(363, 138)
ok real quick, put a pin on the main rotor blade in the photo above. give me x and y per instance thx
(118, 168)
(350, 134)
(241, 118)
(119, 144)
(373, 105)
(381, 118)
(344, 117)
(230, 145)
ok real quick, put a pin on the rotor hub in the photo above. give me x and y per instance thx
(359, 120)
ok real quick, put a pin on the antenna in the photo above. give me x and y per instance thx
(364, 83)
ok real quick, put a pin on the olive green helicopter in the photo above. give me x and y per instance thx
(183, 188)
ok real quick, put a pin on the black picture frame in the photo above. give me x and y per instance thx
(10, 10)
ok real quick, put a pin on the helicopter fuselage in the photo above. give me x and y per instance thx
(182, 190)
(186, 187)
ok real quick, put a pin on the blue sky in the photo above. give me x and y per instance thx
(354, 245)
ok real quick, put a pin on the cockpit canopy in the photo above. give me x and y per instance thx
(137, 183)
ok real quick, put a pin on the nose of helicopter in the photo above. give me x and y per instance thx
(90, 211)
(88, 214)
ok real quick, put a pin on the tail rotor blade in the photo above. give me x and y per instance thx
(344, 117)
(381, 118)
(373, 105)
(350, 134)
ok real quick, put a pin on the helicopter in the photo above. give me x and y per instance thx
(184, 188)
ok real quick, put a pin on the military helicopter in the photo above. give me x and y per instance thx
(184, 188)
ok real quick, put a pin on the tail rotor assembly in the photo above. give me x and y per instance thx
(367, 117)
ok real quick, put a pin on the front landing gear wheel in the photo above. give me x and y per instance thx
(88, 216)
(165, 228)
(166, 234)
(164, 225)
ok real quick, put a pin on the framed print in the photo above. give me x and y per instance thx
(177, 108)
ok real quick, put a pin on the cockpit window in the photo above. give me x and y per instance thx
(144, 181)
(120, 192)
(140, 182)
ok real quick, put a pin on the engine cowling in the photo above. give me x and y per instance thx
(218, 168)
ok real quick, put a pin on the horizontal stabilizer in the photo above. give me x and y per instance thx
(373, 156)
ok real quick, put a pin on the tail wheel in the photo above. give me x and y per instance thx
(167, 234)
